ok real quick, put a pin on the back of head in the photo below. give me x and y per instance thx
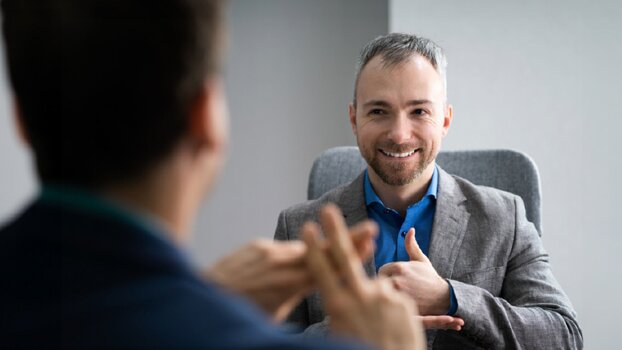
(104, 86)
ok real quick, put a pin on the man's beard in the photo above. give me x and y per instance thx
(397, 174)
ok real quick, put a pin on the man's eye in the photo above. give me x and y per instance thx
(376, 111)
(419, 111)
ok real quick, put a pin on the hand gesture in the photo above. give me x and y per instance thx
(274, 274)
(419, 279)
(371, 310)
(271, 274)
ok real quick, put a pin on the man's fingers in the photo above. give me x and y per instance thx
(412, 247)
(362, 236)
(294, 277)
(390, 269)
(442, 322)
(239, 260)
(288, 252)
(286, 307)
(317, 262)
(341, 247)
(261, 254)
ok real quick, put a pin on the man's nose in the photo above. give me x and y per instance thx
(401, 129)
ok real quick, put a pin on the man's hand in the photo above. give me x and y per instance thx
(271, 274)
(419, 279)
(442, 322)
(274, 274)
(371, 310)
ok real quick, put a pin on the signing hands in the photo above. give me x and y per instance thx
(274, 274)
(271, 274)
(370, 310)
(419, 279)
(277, 275)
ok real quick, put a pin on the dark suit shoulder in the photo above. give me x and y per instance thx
(84, 281)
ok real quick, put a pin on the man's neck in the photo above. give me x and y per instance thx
(148, 204)
(160, 195)
(400, 198)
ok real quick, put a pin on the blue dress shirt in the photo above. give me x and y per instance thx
(390, 242)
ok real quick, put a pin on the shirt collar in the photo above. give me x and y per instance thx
(372, 197)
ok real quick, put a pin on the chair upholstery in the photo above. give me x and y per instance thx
(506, 170)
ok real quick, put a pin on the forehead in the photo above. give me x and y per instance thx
(414, 78)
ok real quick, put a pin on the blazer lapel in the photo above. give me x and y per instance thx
(450, 223)
(450, 220)
(352, 204)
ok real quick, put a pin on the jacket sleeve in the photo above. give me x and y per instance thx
(531, 311)
(299, 317)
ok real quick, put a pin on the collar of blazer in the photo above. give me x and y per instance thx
(450, 220)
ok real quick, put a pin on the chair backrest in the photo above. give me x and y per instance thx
(506, 170)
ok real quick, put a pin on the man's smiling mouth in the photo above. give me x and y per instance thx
(398, 155)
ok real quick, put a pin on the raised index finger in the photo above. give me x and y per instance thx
(341, 247)
(318, 263)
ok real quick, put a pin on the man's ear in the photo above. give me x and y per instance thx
(208, 119)
(447, 118)
(352, 115)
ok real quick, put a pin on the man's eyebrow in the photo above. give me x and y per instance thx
(418, 102)
(382, 103)
(378, 103)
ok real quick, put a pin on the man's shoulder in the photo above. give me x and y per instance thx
(32, 215)
(25, 240)
(484, 196)
(309, 208)
(139, 304)
(176, 312)
(349, 198)
(185, 313)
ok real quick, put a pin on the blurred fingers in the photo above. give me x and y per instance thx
(362, 236)
(317, 262)
(390, 269)
(341, 247)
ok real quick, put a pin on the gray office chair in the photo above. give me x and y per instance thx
(506, 170)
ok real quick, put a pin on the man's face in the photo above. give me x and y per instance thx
(400, 118)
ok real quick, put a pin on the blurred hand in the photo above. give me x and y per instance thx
(274, 274)
(370, 310)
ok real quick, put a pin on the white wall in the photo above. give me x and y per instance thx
(543, 77)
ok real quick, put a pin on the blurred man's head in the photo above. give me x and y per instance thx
(399, 113)
(107, 89)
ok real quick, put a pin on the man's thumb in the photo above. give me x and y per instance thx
(412, 247)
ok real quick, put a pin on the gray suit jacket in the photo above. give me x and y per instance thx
(492, 256)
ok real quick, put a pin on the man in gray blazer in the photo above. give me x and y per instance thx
(467, 254)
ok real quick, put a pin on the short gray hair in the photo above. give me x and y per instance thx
(396, 48)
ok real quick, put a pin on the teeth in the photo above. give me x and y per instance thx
(398, 155)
